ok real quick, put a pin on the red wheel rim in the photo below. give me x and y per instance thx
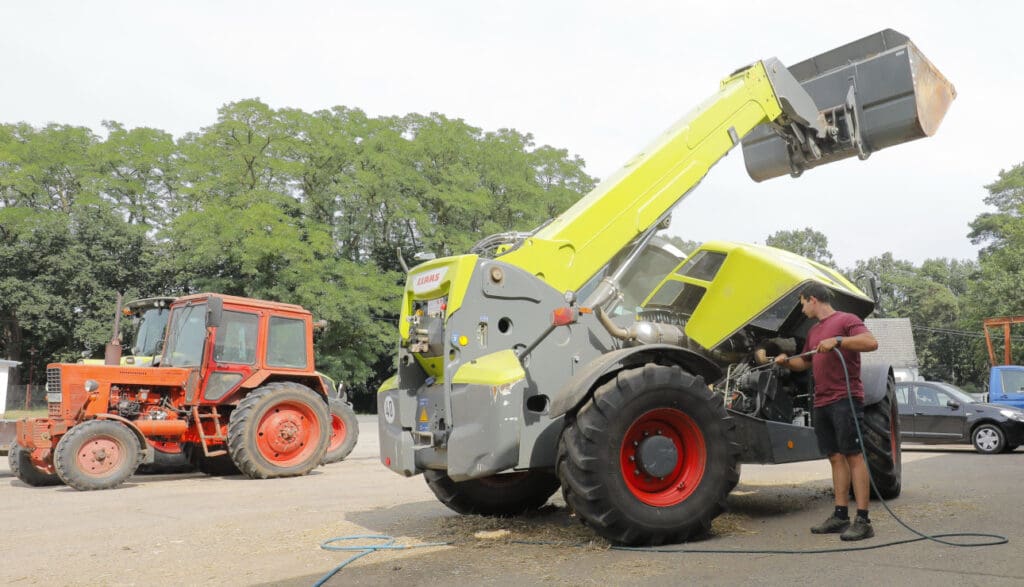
(288, 433)
(337, 432)
(691, 458)
(99, 456)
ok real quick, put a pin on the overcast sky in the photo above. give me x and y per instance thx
(599, 78)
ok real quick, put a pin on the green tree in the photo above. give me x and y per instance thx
(137, 172)
(999, 291)
(806, 242)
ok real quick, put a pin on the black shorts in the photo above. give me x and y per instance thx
(835, 429)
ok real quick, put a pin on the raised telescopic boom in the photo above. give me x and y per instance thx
(873, 93)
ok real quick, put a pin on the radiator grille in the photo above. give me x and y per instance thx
(53, 391)
(53, 380)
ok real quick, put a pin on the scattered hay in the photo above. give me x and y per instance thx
(492, 534)
(730, 524)
(548, 526)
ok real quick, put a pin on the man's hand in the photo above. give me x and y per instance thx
(826, 345)
(794, 363)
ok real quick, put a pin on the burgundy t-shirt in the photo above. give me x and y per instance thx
(829, 382)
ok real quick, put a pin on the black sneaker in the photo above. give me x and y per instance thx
(859, 530)
(832, 525)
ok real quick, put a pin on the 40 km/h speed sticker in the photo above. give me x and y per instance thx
(389, 409)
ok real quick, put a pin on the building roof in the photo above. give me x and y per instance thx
(895, 342)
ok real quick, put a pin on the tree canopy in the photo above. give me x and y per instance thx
(277, 204)
(310, 208)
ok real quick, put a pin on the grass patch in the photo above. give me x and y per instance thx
(19, 414)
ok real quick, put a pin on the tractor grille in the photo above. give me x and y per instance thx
(53, 391)
(53, 380)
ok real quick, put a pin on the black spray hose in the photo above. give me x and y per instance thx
(936, 537)
(365, 549)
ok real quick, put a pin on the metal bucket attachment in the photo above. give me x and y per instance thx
(874, 93)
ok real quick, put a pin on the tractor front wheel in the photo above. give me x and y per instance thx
(649, 459)
(23, 468)
(344, 431)
(507, 494)
(279, 430)
(97, 454)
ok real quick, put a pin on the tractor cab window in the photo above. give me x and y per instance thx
(187, 333)
(150, 326)
(286, 343)
(236, 338)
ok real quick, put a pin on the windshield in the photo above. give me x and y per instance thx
(961, 395)
(1013, 380)
(150, 331)
(187, 333)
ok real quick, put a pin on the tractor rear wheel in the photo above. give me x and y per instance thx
(20, 461)
(507, 494)
(97, 454)
(344, 431)
(881, 431)
(649, 459)
(279, 430)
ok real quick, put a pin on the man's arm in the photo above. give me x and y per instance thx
(792, 363)
(862, 343)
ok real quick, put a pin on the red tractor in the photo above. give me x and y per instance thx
(236, 389)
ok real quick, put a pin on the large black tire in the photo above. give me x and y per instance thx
(97, 454)
(507, 494)
(279, 430)
(649, 459)
(344, 431)
(988, 439)
(21, 465)
(881, 431)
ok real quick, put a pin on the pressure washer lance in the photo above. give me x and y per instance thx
(771, 360)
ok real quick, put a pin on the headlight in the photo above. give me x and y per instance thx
(1013, 415)
(91, 385)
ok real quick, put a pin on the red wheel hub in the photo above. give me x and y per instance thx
(99, 456)
(663, 457)
(287, 433)
(338, 432)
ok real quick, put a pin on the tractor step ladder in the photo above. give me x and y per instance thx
(205, 438)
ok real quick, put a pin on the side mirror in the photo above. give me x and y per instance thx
(953, 404)
(214, 312)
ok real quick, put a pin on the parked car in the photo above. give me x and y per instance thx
(932, 412)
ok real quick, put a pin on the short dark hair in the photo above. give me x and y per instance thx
(817, 291)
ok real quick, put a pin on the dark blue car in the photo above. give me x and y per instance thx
(940, 413)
